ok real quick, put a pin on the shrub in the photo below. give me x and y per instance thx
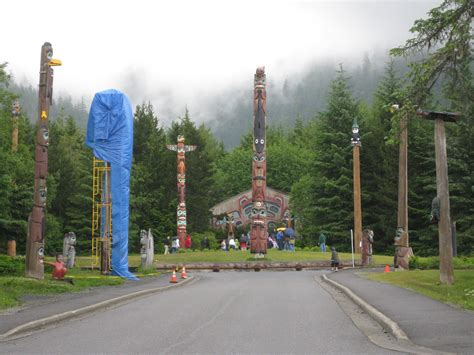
(12, 266)
(197, 238)
(432, 262)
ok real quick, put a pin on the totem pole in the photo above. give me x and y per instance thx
(440, 205)
(355, 142)
(11, 243)
(36, 220)
(258, 234)
(181, 173)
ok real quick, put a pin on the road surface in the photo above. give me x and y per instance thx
(226, 312)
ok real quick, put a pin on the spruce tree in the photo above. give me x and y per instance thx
(330, 206)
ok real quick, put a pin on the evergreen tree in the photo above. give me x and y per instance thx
(330, 208)
(379, 162)
(153, 179)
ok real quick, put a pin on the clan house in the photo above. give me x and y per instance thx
(239, 208)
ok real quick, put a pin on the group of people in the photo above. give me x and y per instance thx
(284, 240)
(231, 243)
(172, 245)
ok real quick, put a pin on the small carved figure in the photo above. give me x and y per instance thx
(403, 252)
(367, 241)
(230, 227)
(435, 211)
(147, 248)
(69, 250)
(59, 270)
(355, 140)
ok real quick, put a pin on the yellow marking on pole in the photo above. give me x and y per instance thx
(55, 63)
(44, 115)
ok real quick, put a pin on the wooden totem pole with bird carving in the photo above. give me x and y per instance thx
(258, 232)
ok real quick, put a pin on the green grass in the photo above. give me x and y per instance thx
(427, 283)
(218, 256)
(13, 288)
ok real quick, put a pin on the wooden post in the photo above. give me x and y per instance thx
(402, 214)
(355, 141)
(446, 272)
(15, 114)
(11, 244)
(357, 200)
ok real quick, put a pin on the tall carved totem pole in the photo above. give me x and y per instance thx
(36, 220)
(258, 233)
(181, 222)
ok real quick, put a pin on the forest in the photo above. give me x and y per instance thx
(309, 154)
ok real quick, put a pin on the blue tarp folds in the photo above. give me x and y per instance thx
(110, 135)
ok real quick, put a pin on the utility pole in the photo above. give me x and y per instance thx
(446, 272)
(181, 221)
(355, 142)
(258, 232)
(36, 220)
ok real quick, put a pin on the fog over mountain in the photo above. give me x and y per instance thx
(202, 55)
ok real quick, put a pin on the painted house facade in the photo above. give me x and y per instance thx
(240, 207)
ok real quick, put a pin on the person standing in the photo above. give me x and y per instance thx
(167, 245)
(334, 259)
(243, 242)
(223, 245)
(322, 242)
(279, 238)
(187, 242)
(175, 245)
(205, 244)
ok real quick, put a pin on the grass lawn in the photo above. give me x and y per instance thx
(218, 256)
(12, 288)
(427, 283)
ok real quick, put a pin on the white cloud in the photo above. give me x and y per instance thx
(186, 50)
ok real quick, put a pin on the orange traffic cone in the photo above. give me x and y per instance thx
(183, 273)
(387, 268)
(173, 278)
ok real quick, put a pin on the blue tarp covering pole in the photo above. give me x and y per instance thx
(110, 135)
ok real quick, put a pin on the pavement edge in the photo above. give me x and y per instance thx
(381, 318)
(39, 323)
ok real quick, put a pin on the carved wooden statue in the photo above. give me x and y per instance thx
(258, 232)
(403, 252)
(69, 250)
(147, 249)
(367, 241)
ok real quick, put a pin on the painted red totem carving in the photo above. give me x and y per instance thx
(258, 234)
(181, 221)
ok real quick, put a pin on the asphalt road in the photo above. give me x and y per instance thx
(226, 312)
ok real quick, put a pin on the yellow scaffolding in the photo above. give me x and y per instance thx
(101, 216)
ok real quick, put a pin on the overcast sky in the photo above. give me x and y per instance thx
(176, 52)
